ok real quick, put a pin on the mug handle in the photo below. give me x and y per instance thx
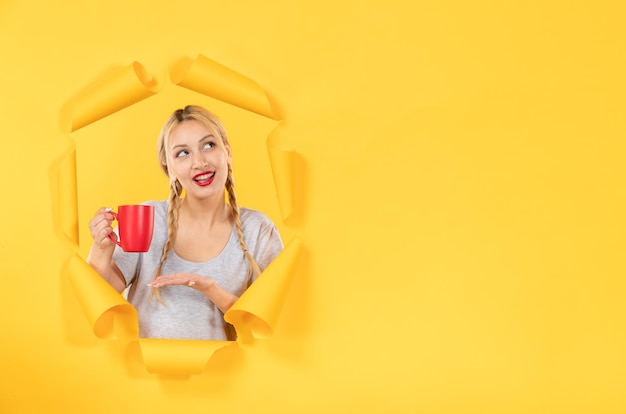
(119, 243)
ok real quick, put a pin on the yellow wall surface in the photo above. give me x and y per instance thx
(458, 192)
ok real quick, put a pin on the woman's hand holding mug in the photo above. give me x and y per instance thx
(101, 227)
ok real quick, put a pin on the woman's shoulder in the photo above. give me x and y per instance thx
(254, 217)
(261, 234)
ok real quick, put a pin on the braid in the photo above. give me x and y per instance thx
(254, 270)
(172, 225)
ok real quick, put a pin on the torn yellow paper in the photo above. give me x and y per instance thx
(65, 203)
(253, 315)
(178, 356)
(108, 95)
(282, 160)
(213, 79)
(256, 313)
(109, 314)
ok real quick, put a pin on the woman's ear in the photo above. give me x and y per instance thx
(228, 153)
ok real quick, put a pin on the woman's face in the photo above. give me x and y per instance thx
(198, 159)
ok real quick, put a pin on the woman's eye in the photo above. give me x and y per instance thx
(181, 153)
(208, 145)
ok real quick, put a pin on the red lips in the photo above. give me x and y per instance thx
(204, 178)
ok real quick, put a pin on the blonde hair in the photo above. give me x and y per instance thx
(213, 124)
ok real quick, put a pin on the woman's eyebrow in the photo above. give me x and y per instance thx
(205, 137)
(200, 140)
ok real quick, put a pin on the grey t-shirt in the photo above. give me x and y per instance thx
(187, 313)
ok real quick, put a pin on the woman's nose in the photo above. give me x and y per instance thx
(199, 161)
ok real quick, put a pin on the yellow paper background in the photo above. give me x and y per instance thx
(458, 187)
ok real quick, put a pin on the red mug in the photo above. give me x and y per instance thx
(135, 227)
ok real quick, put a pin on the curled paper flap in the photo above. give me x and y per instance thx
(282, 160)
(109, 314)
(178, 356)
(213, 79)
(256, 313)
(66, 203)
(108, 95)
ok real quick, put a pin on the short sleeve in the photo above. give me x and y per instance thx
(262, 237)
(269, 245)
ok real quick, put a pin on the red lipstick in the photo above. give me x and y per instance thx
(205, 178)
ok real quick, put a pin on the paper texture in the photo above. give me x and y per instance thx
(109, 314)
(108, 95)
(282, 160)
(213, 79)
(178, 357)
(65, 208)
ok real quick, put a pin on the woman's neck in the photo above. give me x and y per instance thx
(206, 212)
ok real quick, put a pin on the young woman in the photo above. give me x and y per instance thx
(205, 250)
